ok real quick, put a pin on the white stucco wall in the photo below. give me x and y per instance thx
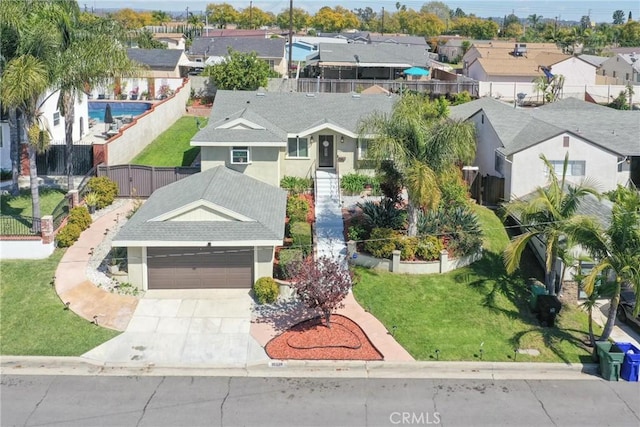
(263, 262)
(5, 146)
(576, 72)
(529, 170)
(25, 249)
(81, 113)
(488, 142)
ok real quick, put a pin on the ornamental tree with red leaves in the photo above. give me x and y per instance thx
(322, 284)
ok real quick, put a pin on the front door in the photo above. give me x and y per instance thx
(325, 151)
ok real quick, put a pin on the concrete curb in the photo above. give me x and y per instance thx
(40, 365)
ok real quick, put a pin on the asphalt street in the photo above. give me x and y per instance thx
(239, 401)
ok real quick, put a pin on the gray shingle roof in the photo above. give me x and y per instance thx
(593, 59)
(614, 130)
(157, 59)
(219, 46)
(372, 54)
(589, 205)
(404, 40)
(237, 192)
(282, 113)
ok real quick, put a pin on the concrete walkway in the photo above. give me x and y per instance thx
(111, 311)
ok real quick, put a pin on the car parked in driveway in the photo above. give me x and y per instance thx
(625, 309)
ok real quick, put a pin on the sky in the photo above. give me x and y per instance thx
(573, 10)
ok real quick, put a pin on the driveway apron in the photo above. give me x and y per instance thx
(186, 328)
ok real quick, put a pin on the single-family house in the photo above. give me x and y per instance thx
(271, 135)
(384, 61)
(214, 229)
(171, 40)
(54, 122)
(212, 50)
(402, 39)
(453, 48)
(602, 143)
(522, 64)
(624, 68)
(161, 62)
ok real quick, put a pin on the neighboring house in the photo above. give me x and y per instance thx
(602, 143)
(453, 49)
(161, 62)
(232, 32)
(271, 135)
(384, 61)
(54, 121)
(624, 68)
(303, 46)
(215, 229)
(499, 50)
(576, 71)
(212, 50)
(399, 39)
(171, 40)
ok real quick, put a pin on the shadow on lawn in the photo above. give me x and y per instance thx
(552, 337)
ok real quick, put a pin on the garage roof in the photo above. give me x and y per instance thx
(258, 208)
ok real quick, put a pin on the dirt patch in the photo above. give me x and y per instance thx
(312, 340)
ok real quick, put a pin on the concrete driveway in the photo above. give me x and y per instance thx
(186, 328)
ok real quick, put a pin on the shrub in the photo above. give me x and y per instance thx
(297, 209)
(464, 244)
(383, 214)
(381, 242)
(429, 248)
(354, 183)
(296, 185)
(68, 235)
(266, 290)
(301, 235)
(105, 189)
(408, 247)
(286, 257)
(357, 232)
(454, 191)
(81, 217)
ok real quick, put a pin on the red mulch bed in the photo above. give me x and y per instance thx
(312, 340)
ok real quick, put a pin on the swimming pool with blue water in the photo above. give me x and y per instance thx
(134, 109)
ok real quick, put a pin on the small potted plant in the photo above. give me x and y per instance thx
(134, 93)
(144, 95)
(91, 199)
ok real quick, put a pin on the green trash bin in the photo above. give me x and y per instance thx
(537, 289)
(611, 357)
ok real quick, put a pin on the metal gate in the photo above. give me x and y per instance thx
(52, 161)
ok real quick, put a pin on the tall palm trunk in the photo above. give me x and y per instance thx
(33, 181)
(14, 153)
(69, 117)
(611, 317)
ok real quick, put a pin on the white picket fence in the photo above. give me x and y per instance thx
(508, 91)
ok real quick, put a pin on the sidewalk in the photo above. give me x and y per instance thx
(111, 311)
(21, 365)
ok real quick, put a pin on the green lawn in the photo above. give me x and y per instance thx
(473, 308)
(34, 321)
(21, 205)
(172, 147)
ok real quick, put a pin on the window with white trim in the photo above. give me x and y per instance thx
(574, 167)
(363, 149)
(240, 155)
(298, 147)
(56, 118)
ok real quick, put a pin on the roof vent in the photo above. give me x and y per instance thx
(260, 94)
(355, 95)
(311, 95)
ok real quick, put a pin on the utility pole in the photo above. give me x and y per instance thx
(251, 15)
(382, 29)
(290, 37)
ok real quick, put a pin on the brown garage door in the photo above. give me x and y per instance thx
(199, 268)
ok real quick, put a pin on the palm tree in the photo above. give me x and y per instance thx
(92, 54)
(423, 145)
(616, 249)
(534, 20)
(546, 216)
(27, 73)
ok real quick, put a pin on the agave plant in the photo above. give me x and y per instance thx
(383, 214)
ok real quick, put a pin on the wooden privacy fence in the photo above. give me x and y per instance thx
(488, 190)
(142, 181)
